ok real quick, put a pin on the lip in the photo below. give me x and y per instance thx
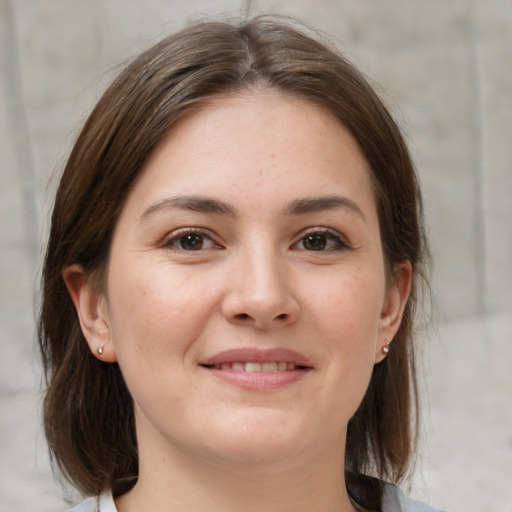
(259, 381)
(258, 356)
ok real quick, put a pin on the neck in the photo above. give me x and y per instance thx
(185, 484)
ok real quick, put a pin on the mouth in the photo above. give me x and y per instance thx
(258, 369)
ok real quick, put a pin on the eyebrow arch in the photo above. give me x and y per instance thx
(195, 203)
(322, 203)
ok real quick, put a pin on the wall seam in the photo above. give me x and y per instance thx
(480, 240)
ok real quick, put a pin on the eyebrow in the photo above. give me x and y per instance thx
(209, 205)
(323, 203)
(194, 203)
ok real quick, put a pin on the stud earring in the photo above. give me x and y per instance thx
(385, 348)
(100, 350)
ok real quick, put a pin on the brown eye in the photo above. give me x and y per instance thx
(321, 240)
(191, 242)
(315, 242)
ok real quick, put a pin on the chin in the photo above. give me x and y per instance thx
(255, 458)
(259, 443)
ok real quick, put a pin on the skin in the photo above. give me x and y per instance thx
(258, 272)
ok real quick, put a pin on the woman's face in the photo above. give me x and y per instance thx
(246, 296)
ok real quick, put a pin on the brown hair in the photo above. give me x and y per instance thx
(88, 411)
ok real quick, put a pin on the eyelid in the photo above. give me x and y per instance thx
(341, 241)
(172, 238)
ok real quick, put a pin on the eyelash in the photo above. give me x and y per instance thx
(173, 242)
(177, 238)
(340, 244)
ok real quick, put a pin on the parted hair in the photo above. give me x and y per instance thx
(88, 411)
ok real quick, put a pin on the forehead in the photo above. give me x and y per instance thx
(254, 144)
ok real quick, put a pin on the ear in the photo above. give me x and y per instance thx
(396, 298)
(91, 308)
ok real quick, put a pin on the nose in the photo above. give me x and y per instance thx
(260, 293)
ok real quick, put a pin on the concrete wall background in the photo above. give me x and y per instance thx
(443, 67)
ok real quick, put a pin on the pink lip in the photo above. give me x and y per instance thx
(260, 381)
(257, 356)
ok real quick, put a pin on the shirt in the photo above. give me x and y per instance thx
(393, 500)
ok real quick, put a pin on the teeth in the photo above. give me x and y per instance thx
(253, 367)
(269, 367)
(239, 367)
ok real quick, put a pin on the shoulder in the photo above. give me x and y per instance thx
(103, 503)
(394, 500)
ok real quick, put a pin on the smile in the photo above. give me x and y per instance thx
(255, 367)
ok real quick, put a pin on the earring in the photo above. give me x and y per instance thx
(386, 347)
(100, 350)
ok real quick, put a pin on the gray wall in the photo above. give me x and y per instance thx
(444, 67)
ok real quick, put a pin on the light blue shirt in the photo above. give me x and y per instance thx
(393, 500)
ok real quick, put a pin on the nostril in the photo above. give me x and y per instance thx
(242, 316)
(282, 316)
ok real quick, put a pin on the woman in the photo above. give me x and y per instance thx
(230, 282)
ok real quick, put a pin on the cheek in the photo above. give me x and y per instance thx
(348, 302)
(347, 319)
(155, 312)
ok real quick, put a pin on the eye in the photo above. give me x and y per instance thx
(190, 240)
(321, 240)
